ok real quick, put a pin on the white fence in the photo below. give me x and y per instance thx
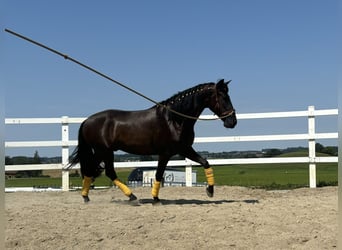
(311, 136)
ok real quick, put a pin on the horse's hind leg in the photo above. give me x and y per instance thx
(125, 189)
(110, 173)
(87, 166)
(162, 162)
(86, 182)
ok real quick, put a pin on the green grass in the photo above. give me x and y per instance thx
(274, 176)
(271, 175)
(57, 182)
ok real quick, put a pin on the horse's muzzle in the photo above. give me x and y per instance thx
(230, 121)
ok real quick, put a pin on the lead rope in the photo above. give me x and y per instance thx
(66, 57)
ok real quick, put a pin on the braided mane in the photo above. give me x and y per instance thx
(187, 101)
(188, 94)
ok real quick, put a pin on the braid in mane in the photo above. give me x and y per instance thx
(184, 100)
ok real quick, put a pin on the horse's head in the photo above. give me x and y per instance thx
(221, 105)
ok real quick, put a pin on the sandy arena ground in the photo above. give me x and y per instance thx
(235, 218)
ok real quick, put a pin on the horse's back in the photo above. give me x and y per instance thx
(129, 131)
(109, 113)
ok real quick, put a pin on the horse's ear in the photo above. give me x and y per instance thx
(228, 82)
(222, 85)
(220, 81)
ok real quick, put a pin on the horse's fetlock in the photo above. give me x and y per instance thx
(156, 201)
(209, 173)
(132, 197)
(122, 187)
(86, 199)
(210, 190)
(155, 189)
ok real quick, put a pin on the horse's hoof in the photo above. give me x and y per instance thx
(132, 197)
(156, 201)
(210, 191)
(86, 199)
(133, 200)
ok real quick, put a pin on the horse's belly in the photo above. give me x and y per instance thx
(136, 143)
(137, 150)
(134, 147)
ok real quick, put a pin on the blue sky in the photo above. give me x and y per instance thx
(281, 56)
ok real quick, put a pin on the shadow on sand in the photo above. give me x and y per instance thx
(195, 202)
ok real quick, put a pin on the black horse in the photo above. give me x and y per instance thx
(165, 129)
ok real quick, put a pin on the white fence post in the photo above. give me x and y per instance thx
(312, 146)
(65, 152)
(188, 173)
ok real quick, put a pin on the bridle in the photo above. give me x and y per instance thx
(217, 107)
(66, 57)
(224, 115)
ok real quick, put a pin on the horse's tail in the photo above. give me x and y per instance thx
(84, 155)
(76, 154)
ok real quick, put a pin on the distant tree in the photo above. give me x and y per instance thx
(20, 160)
(272, 152)
(28, 160)
(8, 160)
(330, 150)
(146, 158)
(36, 158)
(319, 148)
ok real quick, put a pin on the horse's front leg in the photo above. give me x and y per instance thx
(162, 162)
(110, 173)
(191, 154)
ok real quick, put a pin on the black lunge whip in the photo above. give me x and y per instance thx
(66, 57)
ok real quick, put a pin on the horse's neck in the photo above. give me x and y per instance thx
(197, 113)
(192, 112)
(197, 110)
(184, 120)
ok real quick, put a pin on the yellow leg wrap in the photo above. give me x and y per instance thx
(122, 187)
(155, 188)
(86, 185)
(209, 173)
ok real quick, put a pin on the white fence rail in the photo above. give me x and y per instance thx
(65, 143)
